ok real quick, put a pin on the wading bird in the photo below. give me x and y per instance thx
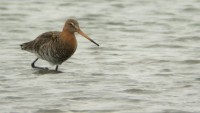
(54, 46)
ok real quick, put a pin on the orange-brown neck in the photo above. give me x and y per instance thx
(69, 38)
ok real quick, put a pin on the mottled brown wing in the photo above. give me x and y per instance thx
(44, 39)
(41, 40)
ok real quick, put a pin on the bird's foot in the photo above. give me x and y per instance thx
(41, 68)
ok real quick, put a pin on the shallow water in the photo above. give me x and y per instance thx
(148, 60)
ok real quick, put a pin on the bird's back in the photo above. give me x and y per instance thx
(34, 45)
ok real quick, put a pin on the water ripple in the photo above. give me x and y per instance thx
(147, 62)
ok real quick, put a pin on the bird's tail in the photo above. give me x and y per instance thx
(28, 46)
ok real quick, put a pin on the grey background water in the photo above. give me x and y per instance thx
(148, 61)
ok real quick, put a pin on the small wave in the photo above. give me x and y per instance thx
(175, 111)
(38, 2)
(17, 31)
(164, 46)
(115, 23)
(190, 62)
(11, 19)
(191, 9)
(65, 4)
(166, 70)
(14, 15)
(164, 75)
(13, 97)
(94, 111)
(139, 91)
(198, 79)
(49, 111)
(118, 5)
(188, 38)
(3, 8)
(178, 19)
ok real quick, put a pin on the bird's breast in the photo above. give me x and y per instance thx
(66, 47)
(59, 49)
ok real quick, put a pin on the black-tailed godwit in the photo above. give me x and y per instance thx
(54, 46)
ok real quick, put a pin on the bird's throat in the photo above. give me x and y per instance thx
(69, 38)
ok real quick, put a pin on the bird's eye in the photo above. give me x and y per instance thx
(72, 24)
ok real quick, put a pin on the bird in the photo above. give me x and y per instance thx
(56, 46)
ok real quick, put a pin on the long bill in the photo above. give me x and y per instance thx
(83, 34)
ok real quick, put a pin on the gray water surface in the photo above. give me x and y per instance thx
(148, 60)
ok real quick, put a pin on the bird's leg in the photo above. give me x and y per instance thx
(56, 68)
(33, 64)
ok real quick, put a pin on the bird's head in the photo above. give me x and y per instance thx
(72, 26)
